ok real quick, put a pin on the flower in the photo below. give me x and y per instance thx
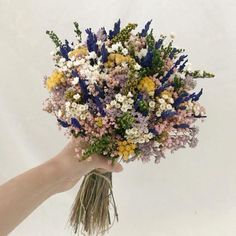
(126, 149)
(79, 52)
(54, 80)
(147, 84)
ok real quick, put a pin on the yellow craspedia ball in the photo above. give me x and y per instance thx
(147, 84)
(54, 80)
(126, 149)
(98, 122)
(82, 51)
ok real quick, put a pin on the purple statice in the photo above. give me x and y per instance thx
(101, 34)
(189, 82)
(150, 150)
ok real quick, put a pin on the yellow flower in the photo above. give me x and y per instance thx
(118, 59)
(54, 80)
(147, 84)
(82, 51)
(98, 122)
(126, 149)
(166, 93)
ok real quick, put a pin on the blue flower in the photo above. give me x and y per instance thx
(181, 126)
(181, 68)
(65, 49)
(168, 74)
(159, 43)
(82, 85)
(113, 33)
(63, 123)
(91, 41)
(146, 28)
(147, 60)
(162, 88)
(75, 123)
(99, 105)
(104, 53)
(181, 58)
(171, 56)
(167, 114)
(197, 96)
(199, 116)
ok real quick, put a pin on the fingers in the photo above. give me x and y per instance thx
(104, 165)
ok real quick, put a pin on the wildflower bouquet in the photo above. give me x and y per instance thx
(129, 96)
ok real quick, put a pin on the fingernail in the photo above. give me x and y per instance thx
(118, 168)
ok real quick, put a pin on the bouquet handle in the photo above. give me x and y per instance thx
(91, 209)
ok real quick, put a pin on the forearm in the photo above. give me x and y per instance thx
(24, 193)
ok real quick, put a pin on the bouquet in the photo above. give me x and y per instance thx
(130, 97)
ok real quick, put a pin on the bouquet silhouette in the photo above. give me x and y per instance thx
(130, 97)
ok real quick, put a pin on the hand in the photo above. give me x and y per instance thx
(22, 194)
(71, 169)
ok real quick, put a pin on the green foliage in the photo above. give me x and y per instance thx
(125, 121)
(150, 40)
(99, 146)
(78, 31)
(178, 83)
(124, 34)
(200, 74)
(143, 106)
(54, 38)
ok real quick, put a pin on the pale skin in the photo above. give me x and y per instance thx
(21, 195)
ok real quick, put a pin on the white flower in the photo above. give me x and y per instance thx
(124, 108)
(162, 106)
(142, 140)
(168, 107)
(117, 106)
(188, 66)
(156, 144)
(64, 68)
(152, 104)
(69, 64)
(75, 80)
(165, 96)
(130, 95)
(116, 46)
(59, 113)
(92, 55)
(172, 35)
(121, 99)
(118, 96)
(74, 104)
(76, 96)
(158, 113)
(161, 100)
(62, 60)
(137, 66)
(171, 100)
(113, 103)
(142, 53)
(83, 116)
(67, 104)
(72, 58)
(99, 42)
(52, 53)
(125, 51)
(110, 50)
(150, 135)
(130, 101)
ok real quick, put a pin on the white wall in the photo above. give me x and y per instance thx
(192, 192)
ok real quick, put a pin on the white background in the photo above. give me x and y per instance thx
(192, 192)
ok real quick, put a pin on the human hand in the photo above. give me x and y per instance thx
(69, 169)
